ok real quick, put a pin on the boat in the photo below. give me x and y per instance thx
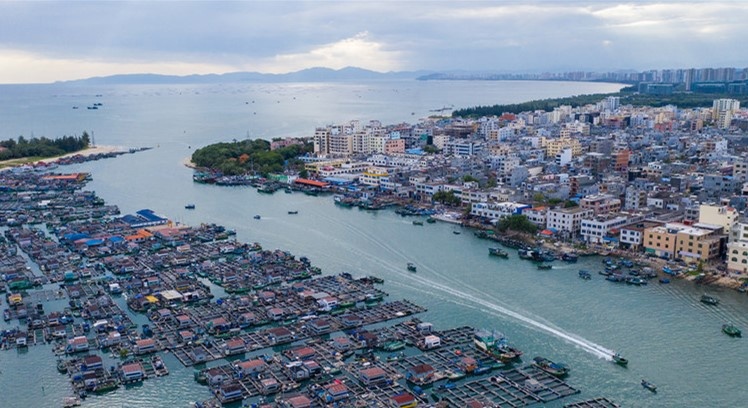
(411, 267)
(619, 359)
(417, 222)
(456, 232)
(648, 385)
(394, 345)
(69, 402)
(664, 280)
(525, 254)
(288, 191)
(545, 266)
(584, 274)
(293, 212)
(555, 369)
(709, 300)
(569, 257)
(257, 217)
(730, 330)
(431, 220)
(190, 206)
(496, 251)
(495, 345)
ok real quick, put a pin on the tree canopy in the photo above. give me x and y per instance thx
(248, 156)
(42, 146)
(516, 222)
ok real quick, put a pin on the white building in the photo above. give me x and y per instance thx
(568, 220)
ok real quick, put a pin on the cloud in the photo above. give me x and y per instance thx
(359, 50)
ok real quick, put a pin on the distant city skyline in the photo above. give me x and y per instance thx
(65, 40)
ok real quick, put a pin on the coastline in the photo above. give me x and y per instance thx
(89, 151)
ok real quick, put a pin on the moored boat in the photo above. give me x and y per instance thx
(709, 300)
(496, 251)
(730, 330)
(495, 345)
(648, 385)
(569, 257)
(555, 369)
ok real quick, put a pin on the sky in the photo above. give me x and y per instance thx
(47, 41)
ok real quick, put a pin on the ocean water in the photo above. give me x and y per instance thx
(669, 337)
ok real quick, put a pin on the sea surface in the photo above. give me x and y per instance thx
(669, 337)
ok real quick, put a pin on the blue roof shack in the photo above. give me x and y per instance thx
(144, 218)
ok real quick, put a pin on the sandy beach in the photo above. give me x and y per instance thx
(6, 164)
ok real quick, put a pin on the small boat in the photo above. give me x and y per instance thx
(555, 369)
(411, 267)
(569, 257)
(257, 217)
(585, 274)
(496, 251)
(293, 212)
(709, 300)
(431, 220)
(456, 232)
(288, 191)
(664, 280)
(648, 385)
(619, 359)
(730, 330)
(545, 266)
(190, 206)
(417, 222)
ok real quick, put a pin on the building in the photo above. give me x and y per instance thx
(601, 229)
(601, 204)
(567, 220)
(497, 211)
(723, 215)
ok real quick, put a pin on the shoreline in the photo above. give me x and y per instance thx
(89, 151)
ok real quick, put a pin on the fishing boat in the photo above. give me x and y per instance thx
(394, 345)
(431, 220)
(584, 274)
(619, 359)
(190, 206)
(709, 300)
(495, 345)
(411, 267)
(293, 212)
(569, 257)
(555, 369)
(525, 253)
(545, 266)
(417, 222)
(648, 385)
(730, 330)
(257, 217)
(664, 280)
(496, 251)
(456, 232)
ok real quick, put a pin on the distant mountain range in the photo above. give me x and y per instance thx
(306, 75)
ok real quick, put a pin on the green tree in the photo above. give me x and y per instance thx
(516, 222)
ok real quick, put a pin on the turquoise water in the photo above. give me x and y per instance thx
(669, 337)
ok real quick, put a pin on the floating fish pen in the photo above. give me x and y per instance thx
(593, 403)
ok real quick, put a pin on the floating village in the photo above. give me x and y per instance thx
(284, 336)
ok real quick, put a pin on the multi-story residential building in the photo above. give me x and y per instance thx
(497, 211)
(660, 240)
(536, 215)
(694, 245)
(554, 146)
(632, 235)
(601, 204)
(373, 176)
(568, 220)
(635, 198)
(722, 215)
(603, 228)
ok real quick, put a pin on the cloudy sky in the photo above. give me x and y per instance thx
(59, 40)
